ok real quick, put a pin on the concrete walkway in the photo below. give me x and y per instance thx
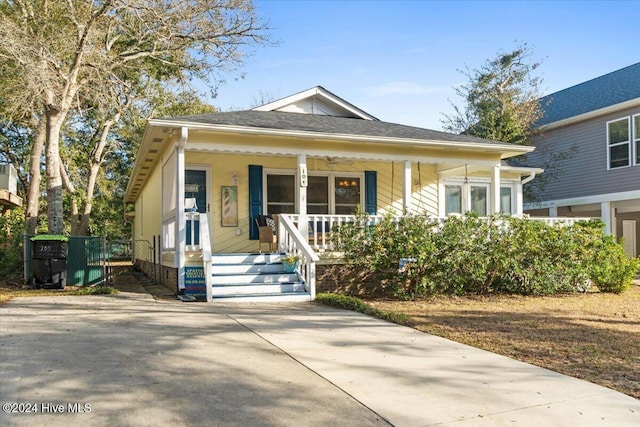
(136, 360)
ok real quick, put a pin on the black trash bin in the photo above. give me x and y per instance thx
(49, 261)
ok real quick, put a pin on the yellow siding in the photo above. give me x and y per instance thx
(225, 239)
(148, 219)
(424, 188)
(222, 166)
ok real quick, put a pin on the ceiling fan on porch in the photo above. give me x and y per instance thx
(335, 161)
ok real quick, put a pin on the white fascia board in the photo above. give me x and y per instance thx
(292, 99)
(314, 153)
(586, 200)
(507, 150)
(522, 170)
(591, 114)
(474, 166)
(274, 105)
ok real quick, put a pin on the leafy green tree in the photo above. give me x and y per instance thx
(502, 103)
(96, 166)
(501, 99)
(60, 58)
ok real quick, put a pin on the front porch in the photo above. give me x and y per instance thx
(257, 276)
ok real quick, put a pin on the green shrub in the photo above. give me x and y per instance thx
(11, 244)
(472, 255)
(611, 269)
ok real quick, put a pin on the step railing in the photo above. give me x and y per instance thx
(291, 241)
(205, 244)
(193, 230)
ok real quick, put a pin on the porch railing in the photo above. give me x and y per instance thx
(321, 226)
(291, 241)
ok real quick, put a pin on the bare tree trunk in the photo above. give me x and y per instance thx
(55, 214)
(68, 185)
(35, 177)
(95, 163)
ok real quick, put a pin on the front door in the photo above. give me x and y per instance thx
(196, 201)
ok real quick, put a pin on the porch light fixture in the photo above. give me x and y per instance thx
(234, 178)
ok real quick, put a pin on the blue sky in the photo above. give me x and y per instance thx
(398, 60)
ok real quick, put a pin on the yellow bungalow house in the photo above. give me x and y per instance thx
(200, 183)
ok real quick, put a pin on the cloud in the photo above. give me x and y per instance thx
(403, 88)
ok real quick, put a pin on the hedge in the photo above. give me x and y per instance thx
(497, 254)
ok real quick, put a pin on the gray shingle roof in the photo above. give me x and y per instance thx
(611, 89)
(280, 120)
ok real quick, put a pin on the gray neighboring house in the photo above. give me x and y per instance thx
(598, 121)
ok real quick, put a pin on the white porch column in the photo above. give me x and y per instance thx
(406, 187)
(607, 218)
(519, 200)
(494, 196)
(303, 180)
(181, 235)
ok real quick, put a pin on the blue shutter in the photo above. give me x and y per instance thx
(255, 199)
(371, 192)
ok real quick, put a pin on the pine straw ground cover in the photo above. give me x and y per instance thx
(593, 336)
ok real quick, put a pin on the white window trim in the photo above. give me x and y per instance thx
(289, 172)
(331, 175)
(513, 184)
(635, 139)
(628, 142)
(207, 176)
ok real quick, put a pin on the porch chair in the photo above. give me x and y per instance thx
(266, 231)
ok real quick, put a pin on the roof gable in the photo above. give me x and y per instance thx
(318, 101)
(617, 87)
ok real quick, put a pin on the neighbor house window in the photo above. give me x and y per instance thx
(636, 138)
(281, 193)
(619, 143)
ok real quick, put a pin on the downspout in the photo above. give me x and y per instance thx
(180, 220)
(520, 191)
(529, 178)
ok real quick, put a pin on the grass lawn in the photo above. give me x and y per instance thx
(592, 336)
(12, 289)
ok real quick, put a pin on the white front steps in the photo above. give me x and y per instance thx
(253, 278)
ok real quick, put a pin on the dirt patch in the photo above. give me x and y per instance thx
(592, 336)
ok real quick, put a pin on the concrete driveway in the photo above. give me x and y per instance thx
(129, 359)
